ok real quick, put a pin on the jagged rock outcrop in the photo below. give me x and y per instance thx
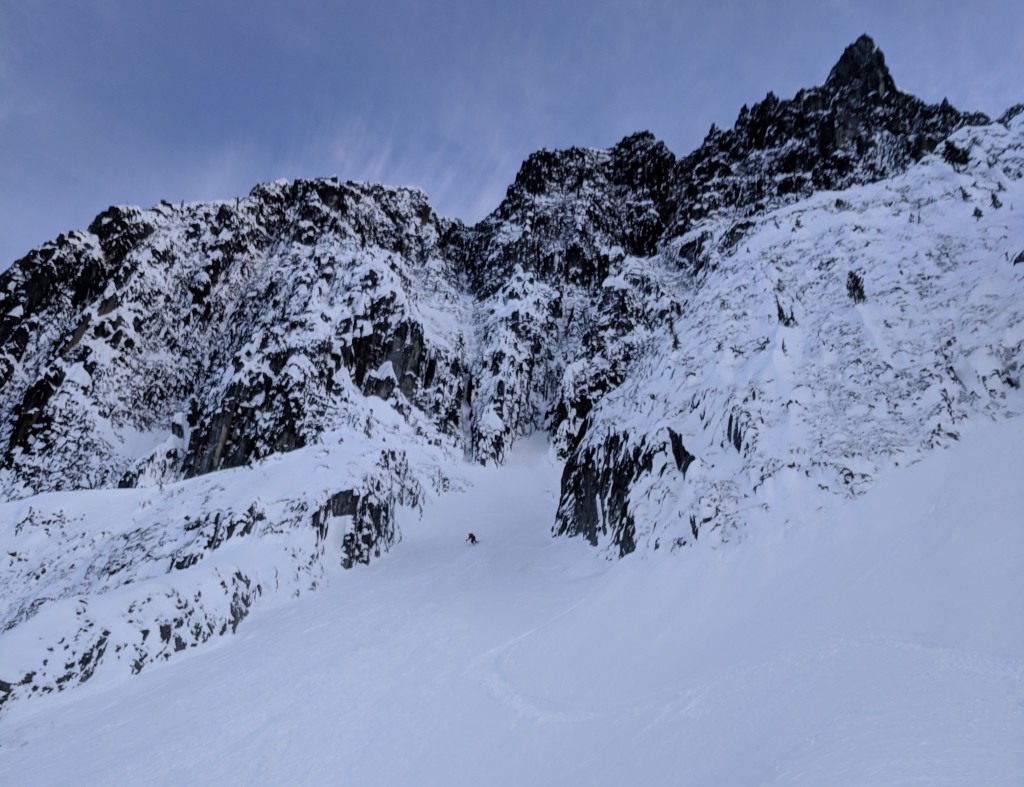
(225, 333)
(856, 128)
(254, 387)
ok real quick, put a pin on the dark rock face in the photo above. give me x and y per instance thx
(862, 70)
(372, 530)
(30, 413)
(119, 230)
(602, 489)
(571, 209)
(1011, 114)
(595, 492)
(40, 294)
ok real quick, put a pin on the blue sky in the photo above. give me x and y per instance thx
(132, 101)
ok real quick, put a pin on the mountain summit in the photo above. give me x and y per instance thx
(862, 69)
(204, 405)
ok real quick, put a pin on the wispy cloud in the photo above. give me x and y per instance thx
(118, 101)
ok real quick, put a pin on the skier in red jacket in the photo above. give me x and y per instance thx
(471, 538)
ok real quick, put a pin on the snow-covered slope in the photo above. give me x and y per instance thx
(821, 343)
(206, 407)
(875, 643)
(127, 577)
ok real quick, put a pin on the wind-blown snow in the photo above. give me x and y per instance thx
(878, 642)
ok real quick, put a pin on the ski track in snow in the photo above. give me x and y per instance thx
(875, 644)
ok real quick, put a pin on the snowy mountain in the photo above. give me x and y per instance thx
(206, 405)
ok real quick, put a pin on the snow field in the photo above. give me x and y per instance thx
(876, 642)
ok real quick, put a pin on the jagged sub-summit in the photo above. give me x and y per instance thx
(822, 293)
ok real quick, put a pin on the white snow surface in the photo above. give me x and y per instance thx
(873, 642)
(846, 389)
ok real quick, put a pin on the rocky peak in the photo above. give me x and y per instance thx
(857, 128)
(554, 171)
(862, 70)
(643, 165)
(641, 160)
